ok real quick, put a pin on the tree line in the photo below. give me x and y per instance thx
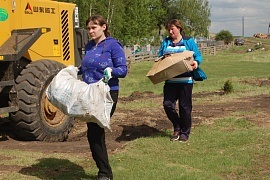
(142, 21)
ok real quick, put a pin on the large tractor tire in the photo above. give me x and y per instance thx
(37, 118)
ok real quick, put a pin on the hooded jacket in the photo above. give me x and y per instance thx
(108, 53)
(190, 45)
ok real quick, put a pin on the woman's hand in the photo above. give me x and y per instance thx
(107, 75)
(194, 64)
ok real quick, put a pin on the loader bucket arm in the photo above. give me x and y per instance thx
(19, 42)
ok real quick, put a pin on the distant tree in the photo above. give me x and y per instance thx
(224, 35)
(142, 21)
(195, 15)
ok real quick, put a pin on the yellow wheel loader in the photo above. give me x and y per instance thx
(37, 39)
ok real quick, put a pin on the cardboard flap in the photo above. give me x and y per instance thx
(166, 61)
(154, 68)
(169, 66)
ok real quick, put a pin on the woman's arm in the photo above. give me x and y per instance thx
(194, 47)
(119, 68)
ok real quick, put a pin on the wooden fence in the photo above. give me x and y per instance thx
(149, 56)
(213, 49)
(139, 57)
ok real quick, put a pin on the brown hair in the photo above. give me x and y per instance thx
(176, 23)
(99, 20)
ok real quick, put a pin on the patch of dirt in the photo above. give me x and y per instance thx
(128, 125)
(257, 82)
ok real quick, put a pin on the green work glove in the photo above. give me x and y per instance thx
(107, 75)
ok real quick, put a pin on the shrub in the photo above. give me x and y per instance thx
(228, 86)
(224, 35)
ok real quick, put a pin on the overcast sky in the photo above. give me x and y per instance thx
(228, 15)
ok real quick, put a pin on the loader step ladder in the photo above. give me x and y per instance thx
(5, 87)
(8, 109)
(12, 50)
(7, 83)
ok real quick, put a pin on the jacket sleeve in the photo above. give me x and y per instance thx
(194, 47)
(161, 48)
(119, 69)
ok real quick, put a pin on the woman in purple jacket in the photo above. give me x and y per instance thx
(104, 59)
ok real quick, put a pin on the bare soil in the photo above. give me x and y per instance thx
(128, 125)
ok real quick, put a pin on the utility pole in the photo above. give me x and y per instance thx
(243, 26)
(268, 29)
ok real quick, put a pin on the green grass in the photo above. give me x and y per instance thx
(227, 148)
(237, 67)
(136, 80)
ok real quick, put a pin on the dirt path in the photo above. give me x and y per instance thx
(128, 125)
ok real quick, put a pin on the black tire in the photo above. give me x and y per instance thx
(37, 119)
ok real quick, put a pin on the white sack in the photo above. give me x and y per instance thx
(75, 98)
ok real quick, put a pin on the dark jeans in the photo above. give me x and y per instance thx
(183, 93)
(96, 139)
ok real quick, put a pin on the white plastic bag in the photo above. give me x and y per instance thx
(75, 98)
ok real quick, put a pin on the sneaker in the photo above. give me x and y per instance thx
(183, 138)
(175, 136)
(103, 178)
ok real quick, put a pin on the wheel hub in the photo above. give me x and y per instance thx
(52, 115)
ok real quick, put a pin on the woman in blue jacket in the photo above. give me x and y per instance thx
(104, 59)
(180, 87)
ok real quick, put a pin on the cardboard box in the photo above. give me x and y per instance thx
(169, 66)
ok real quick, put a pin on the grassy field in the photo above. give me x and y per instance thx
(229, 148)
(233, 64)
